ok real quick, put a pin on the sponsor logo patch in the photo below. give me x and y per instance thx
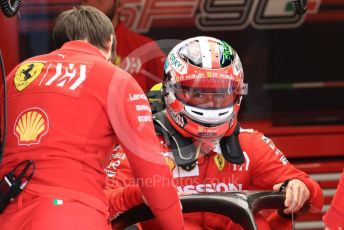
(210, 187)
(170, 163)
(26, 74)
(220, 161)
(180, 120)
(30, 126)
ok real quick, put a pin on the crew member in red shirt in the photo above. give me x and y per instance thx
(333, 218)
(203, 143)
(135, 53)
(66, 111)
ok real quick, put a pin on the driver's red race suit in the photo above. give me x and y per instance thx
(66, 111)
(264, 166)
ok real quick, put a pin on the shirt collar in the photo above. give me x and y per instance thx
(82, 46)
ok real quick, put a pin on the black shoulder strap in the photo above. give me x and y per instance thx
(183, 149)
(231, 149)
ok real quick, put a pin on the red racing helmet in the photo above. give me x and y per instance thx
(203, 87)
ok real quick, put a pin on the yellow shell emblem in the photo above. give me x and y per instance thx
(170, 163)
(220, 161)
(30, 126)
(27, 73)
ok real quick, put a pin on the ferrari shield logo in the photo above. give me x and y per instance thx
(220, 161)
(27, 73)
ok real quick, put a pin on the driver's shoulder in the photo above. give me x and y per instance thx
(249, 135)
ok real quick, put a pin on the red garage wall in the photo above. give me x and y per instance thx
(9, 41)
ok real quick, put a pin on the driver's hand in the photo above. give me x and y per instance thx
(297, 194)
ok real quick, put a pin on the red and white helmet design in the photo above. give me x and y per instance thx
(203, 87)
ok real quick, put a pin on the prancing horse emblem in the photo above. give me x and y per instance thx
(27, 73)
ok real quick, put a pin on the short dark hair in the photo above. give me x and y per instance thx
(83, 23)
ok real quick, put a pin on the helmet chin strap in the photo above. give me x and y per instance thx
(198, 149)
(204, 146)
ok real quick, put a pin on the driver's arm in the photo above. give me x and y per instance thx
(121, 188)
(272, 168)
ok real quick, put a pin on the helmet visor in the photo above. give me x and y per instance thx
(207, 93)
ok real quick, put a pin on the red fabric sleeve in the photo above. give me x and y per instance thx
(272, 167)
(123, 198)
(131, 119)
(121, 188)
(333, 218)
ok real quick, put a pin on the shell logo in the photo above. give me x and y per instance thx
(170, 163)
(30, 126)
